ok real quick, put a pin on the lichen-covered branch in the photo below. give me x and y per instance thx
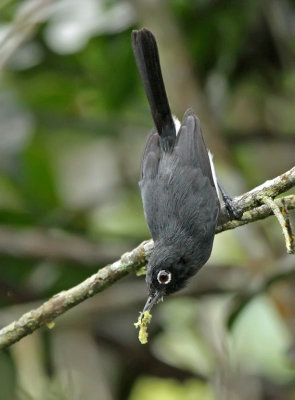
(287, 203)
(137, 258)
(271, 188)
(67, 299)
(250, 202)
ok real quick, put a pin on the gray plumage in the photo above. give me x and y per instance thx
(179, 197)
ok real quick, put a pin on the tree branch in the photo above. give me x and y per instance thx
(129, 262)
(256, 214)
(67, 299)
(271, 188)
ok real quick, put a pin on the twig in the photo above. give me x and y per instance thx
(283, 221)
(65, 300)
(289, 227)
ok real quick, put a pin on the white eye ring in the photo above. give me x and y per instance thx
(168, 274)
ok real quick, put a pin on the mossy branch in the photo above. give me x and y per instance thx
(248, 203)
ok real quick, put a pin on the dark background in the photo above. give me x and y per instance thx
(73, 122)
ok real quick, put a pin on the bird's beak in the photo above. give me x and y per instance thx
(152, 299)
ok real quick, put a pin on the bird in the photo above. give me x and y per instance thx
(178, 184)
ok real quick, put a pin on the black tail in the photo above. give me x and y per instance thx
(147, 59)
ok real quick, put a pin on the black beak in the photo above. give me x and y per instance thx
(152, 299)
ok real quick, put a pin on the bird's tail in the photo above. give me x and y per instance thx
(147, 59)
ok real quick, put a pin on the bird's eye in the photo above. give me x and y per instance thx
(164, 277)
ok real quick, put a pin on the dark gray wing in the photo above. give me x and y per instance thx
(151, 156)
(190, 145)
(177, 188)
(183, 202)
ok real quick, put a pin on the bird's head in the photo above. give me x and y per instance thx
(167, 272)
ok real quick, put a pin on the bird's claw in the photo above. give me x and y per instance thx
(232, 211)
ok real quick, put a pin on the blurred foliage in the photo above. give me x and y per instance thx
(74, 119)
(164, 389)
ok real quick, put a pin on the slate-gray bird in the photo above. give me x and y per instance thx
(178, 185)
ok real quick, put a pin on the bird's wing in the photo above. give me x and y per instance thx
(151, 156)
(177, 188)
(183, 201)
(190, 146)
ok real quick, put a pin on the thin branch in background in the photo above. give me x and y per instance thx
(29, 15)
(128, 263)
(284, 270)
(56, 245)
(283, 221)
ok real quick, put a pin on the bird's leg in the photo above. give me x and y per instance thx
(232, 211)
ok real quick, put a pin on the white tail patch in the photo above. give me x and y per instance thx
(177, 123)
(214, 173)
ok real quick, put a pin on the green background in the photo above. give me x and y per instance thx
(73, 123)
